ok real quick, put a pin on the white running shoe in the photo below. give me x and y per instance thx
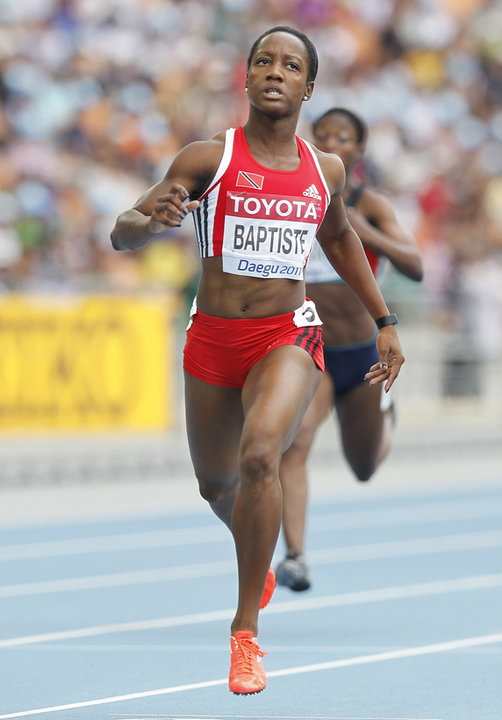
(293, 573)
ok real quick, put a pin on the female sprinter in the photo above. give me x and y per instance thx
(365, 414)
(253, 355)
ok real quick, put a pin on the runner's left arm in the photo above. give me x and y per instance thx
(344, 250)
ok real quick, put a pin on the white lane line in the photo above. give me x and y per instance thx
(352, 553)
(268, 717)
(220, 716)
(465, 584)
(190, 648)
(456, 542)
(407, 515)
(115, 543)
(401, 515)
(298, 670)
(134, 577)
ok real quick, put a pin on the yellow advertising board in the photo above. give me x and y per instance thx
(91, 362)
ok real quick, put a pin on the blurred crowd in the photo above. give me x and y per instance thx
(97, 96)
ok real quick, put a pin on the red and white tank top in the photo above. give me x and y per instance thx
(261, 221)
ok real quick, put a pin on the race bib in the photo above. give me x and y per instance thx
(306, 315)
(269, 235)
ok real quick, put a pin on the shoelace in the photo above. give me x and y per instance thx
(247, 649)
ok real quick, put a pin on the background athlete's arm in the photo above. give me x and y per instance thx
(343, 247)
(389, 238)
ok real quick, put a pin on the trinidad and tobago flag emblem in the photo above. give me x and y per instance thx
(249, 180)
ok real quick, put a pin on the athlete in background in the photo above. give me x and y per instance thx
(365, 414)
(253, 355)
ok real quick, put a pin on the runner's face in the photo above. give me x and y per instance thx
(277, 77)
(336, 134)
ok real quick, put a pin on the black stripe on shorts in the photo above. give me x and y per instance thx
(309, 339)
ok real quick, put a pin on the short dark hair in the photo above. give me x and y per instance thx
(309, 47)
(358, 123)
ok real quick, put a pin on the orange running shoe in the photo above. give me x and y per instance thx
(247, 675)
(269, 588)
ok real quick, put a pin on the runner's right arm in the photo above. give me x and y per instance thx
(164, 206)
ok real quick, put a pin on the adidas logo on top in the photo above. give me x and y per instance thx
(312, 192)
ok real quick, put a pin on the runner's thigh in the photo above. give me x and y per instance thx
(214, 421)
(276, 394)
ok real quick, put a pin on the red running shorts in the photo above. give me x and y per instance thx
(221, 351)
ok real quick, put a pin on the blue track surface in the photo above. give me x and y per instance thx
(129, 619)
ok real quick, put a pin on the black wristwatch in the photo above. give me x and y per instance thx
(386, 320)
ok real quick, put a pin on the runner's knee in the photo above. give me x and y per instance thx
(301, 445)
(363, 468)
(213, 488)
(365, 464)
(363, 474)
(259, 464)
